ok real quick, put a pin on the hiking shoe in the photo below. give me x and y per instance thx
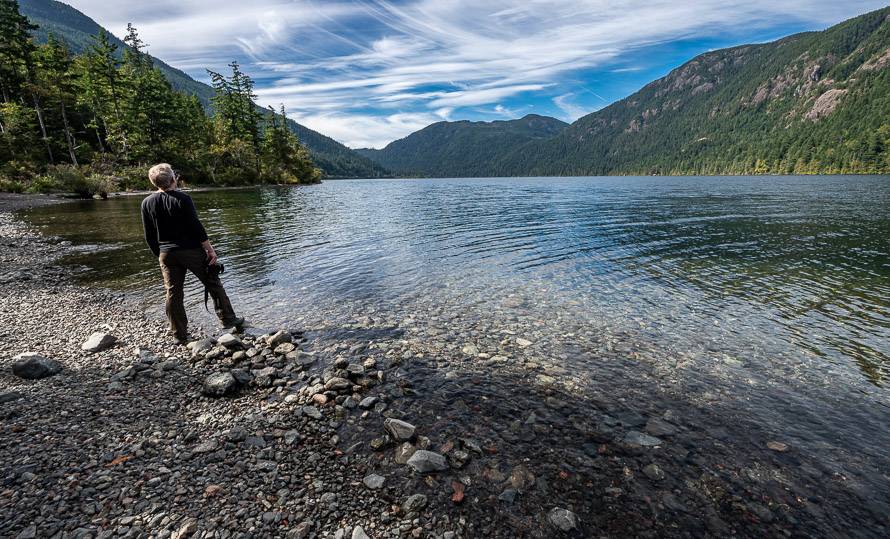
(237, 323)
(180, 341)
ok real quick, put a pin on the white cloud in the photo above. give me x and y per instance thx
(571, 110)
(366, 130)
(368, 71)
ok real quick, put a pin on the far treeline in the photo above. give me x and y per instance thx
(92, 123)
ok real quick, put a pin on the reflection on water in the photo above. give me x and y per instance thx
(793, 269)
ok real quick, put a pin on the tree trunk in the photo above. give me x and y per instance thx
(68, 136)
(49, 149)
(98, 133)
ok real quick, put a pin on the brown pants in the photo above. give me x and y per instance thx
(174, 265)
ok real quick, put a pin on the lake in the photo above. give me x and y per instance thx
(761, 300)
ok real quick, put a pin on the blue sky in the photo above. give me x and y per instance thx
(369, 72)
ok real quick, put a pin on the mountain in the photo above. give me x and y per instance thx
(464, 148)
(62, 20)
(816, 102)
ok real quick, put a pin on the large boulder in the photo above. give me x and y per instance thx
(220, 384)
(97, 342)
(33, 366)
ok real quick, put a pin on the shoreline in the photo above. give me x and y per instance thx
(136, 447)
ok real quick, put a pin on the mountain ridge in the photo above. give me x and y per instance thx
(812, 102)
(456, 148)
(75, 28)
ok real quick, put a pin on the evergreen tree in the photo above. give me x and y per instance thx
(56, 78)
(285, 160)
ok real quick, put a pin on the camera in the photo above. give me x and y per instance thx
(216, 269)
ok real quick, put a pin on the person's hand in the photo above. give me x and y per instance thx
(211, 257)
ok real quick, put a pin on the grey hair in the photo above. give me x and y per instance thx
(161, 175)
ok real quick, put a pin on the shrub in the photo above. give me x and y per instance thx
(42, 184)
(10, 185)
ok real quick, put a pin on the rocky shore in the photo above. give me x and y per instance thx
(108, 430)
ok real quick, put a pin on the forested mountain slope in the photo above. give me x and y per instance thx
(75, 28)
(817, 102)
(461, 148)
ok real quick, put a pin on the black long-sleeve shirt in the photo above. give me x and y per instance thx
(171, 221)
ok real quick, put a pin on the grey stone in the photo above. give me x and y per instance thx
(285, 348)
(374, 481)
(230, 341)
(312, 412)
(280, 337)
(237, 434)
(400, 430)
(28, 533)
(220, 384)
(563, 519)
(291, 437)
(359, 533)
(201, 346)
(404, 452)
(415, 502)
(97, 342)
(301, 530)
(423, 461)
(188, 527)
(654, 472)
(639, 439)
(659, 427)
(337, 384)
(33, 366)
(367, 402)
(508, 496)
(242, 376)
(355, 370)
(9, 397)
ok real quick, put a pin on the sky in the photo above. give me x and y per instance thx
(369, 72)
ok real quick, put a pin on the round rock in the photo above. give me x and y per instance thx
(563, 519)
(33, 366)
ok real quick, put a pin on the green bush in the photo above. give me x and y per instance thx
(101, 185)
(42, 184)
(9, 185)
(133, 178)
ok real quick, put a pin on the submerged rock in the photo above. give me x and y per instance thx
(654, 472)
(400, 430)
(423, 461)
(374, 481)
(563, 519)
(415, 502)
(639, 439)
(33, 366)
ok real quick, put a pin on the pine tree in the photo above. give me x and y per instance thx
(103, 85)
(55, 76)
(285, 160)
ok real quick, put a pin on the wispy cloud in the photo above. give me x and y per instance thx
(367, 72)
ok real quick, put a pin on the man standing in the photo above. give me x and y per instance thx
(175, 235)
